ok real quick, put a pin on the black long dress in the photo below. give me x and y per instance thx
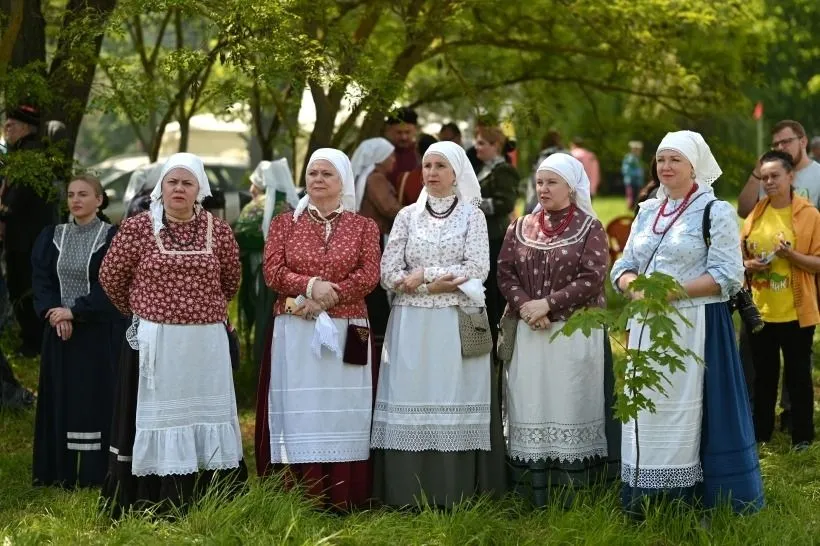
(77, 376)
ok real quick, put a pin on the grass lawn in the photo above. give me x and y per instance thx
(267, 515)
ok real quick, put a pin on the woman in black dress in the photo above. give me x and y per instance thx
(83, 334)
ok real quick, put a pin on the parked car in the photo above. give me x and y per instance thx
(124, 178)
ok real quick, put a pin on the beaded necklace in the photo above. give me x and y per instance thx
(677, 212)
(194, 222)
(562, 225)
(444, 214)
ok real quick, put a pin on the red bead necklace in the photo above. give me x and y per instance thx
(676, 212)
(561, 227)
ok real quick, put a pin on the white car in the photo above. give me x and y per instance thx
(226, 176)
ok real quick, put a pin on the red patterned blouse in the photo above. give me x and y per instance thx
(297, 251)
(185, 275)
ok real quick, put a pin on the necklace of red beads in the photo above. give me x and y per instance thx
(676, 213)
(562, 225)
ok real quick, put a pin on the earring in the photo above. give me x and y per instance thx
(692, 176)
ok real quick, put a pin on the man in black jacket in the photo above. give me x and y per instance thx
(25, 212)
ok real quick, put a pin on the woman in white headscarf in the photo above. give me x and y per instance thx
(315, 395)
(274, 193)
(174, 268)
(376, 198)
(700, 443)
(432, 423)
(561, 433)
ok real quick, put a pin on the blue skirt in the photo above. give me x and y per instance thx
(728, 451)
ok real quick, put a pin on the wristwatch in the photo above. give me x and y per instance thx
(422, 289)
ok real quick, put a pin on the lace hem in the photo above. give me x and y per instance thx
(187, 449)
(662, 478)
(184, 470)
(557, 455)
(317, 453)
(420, 409)
(553, 436)
(431, 438)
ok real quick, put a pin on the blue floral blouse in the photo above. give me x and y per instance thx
(682, 252)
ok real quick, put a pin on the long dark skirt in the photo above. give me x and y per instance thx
(122, 491)
(539, 481)
(340, 486)
(74, 404)
(728, 451)
(443, 479)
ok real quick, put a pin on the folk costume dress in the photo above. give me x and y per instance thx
(76, 389)
(700, 443)
(436, 426)
(176, 429)
(559, 392)
(314, 409)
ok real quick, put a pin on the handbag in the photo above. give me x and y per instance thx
(474, 331)
(356, 344)
(233, 345)
(506, 338)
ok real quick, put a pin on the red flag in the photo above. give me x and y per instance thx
(758, 113)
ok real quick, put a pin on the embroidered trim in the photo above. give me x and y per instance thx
(662, 478)
(572, 240)
(84, 447)
(567, 443)
(431, 437)
(418, 409)
(208, 241)
(83, 435)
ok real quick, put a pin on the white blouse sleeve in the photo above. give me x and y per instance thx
(394, 266)
(724, 259)
(628, 260)
(475, 263)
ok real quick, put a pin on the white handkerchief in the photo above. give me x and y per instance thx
(474, 289)
(325, 334)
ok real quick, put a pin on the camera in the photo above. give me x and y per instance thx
(742, 303)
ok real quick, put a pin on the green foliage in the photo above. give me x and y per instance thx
(33, 168)
(647, 369)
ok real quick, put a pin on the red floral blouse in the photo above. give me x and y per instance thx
(297, 251)
(185, 275)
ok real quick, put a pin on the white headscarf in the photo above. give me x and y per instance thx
(341, 163)
(274, 176)
(369, 152)
(573, 173)
(466, 185)
(694, 148)
(192, 164)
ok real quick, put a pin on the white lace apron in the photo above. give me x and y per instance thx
(429, 396)
(555, 396)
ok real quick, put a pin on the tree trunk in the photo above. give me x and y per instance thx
(30, 45)
(74, 64)
(15, 16)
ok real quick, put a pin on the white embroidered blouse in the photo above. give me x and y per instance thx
(457, 245)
